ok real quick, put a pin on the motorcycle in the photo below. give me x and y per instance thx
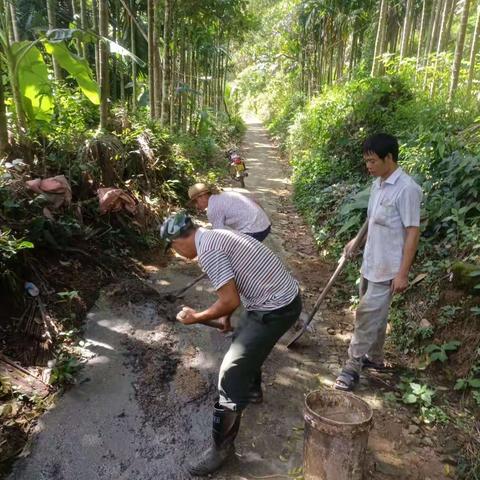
(237, 167)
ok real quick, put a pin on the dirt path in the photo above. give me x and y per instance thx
(143, 403)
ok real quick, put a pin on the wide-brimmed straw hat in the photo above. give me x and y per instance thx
(199, 189)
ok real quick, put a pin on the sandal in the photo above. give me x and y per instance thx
(347, 380)
(368, 364)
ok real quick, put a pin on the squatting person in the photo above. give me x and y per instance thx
(241, 269)
(232, 210)
(391, 244)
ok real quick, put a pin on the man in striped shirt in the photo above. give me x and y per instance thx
(241, 270)
(231, 210)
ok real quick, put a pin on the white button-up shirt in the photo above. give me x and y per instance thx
(237, 212)
(393, 206)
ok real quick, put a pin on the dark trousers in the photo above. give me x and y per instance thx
(254, 338)
(260, 236)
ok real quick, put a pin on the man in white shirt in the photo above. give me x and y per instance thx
(392, 240)
(231, 210)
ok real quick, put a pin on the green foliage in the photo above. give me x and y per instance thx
(440, 352)
(472, 381)
(475, 274)
(35, 85)
(421, 395)
(64, 370)
(78, 68)
(10, 247)
(447, 314)
(416, 393)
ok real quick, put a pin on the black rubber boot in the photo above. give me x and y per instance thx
(255, 395)
(225, 428)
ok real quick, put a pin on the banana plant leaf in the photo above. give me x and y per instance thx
(58, 35)
(77, 67)
(35, 86)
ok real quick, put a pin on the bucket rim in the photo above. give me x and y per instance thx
(327, 420)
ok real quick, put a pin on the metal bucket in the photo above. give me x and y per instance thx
(336, 436)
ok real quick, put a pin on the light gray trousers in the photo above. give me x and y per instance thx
(370, 324)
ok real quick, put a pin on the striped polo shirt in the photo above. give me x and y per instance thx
(263, 283)
(236, 211)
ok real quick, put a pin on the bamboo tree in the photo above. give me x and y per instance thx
(432, 38)
(406, 28)
(4, 145)
(157, 62)
(103, 16)
(97, 43)
(151, 57)
(451, 14)
(173, 69)
(13, 18)
(76, 16)
(21, 119)
(440, 43)
(421, 35)
(133, 49)
(444, 33)
(166, 73)
(379, 40)
(83, 24)
(458, 51)
(437, 9)
(473, 52)
(114, 63)
(8, 20)
(52, 23)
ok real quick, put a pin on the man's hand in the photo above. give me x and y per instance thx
(225, 321)
(399, 283)
(187, 316)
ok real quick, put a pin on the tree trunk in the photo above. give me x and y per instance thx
(133, 17)
(8, 20)
(4, 145)
(157, 63)
(166, 74)
(122, 87)
(151, 57)
(379, 40)
(13, 16)
(440, 43)
(21, 119)
(76, 16)
(421, 35)
(458, 51)
(406, 29)
(411, 40)
(182, 67)
(97, 43)
(133, 48)
(444, 26)
(114, 74)
(103, 64)
(473, 52)
(450, 21)
(52, 23)
(173, 68)
(83, 25)
(437, 9)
